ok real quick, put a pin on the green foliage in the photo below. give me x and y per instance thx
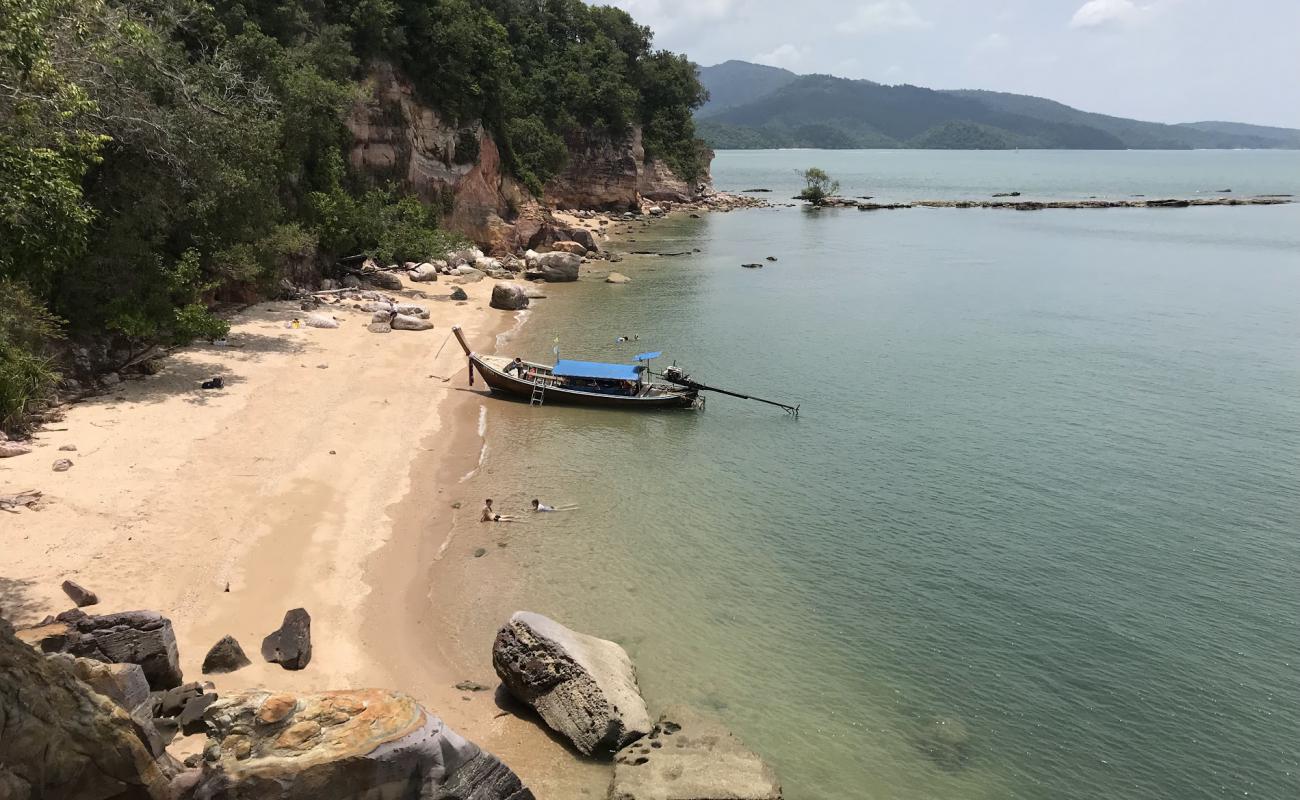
(27, 371)
(818, 186)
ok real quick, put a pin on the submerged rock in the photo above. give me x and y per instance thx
(946, 742)
(357, 745)
(617, 277)
(583, 687)
(691, 757)
(290, 645)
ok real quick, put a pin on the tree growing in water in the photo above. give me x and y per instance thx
(818, 186)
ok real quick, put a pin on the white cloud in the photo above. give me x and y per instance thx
(885, 16)
(787, 56)
(664, 15)
(994, 41)
(1107, 14)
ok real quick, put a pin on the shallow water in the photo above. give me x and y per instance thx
(1035, 533)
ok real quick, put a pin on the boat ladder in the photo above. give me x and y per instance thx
(539, 391)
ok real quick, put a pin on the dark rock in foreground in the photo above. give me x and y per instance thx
(124, 684)
(583, 687)
(60, 739)
(79, 594)
(225, 656)
(691, 757)
(345, 746)
(290, 646)
(128, 637)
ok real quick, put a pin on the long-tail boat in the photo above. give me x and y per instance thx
(583, 383)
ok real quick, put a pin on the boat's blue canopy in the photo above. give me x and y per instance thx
(646, 356)
(595, 369)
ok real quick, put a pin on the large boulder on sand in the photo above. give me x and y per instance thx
(60, 738)
(357, 745)
(128, 637)
(426, 272)
(555, 267)
(406, 322)
(509, 297)
(290, 645)
(584, 237)
(225, 656)
(691, 757)
(583, 687)
(385, 280)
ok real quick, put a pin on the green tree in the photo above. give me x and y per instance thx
(818, 186)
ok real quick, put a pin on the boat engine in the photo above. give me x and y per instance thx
(674, 374)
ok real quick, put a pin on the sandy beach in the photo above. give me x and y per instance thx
(324, 475)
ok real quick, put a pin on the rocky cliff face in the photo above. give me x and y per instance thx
(58, 738)
(613, 175)
(397, 137)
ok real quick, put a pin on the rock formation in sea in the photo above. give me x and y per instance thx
(689, 756)
(583, 687)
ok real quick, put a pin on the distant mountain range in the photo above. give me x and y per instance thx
(754, 106)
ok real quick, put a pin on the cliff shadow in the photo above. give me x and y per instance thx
(16, 602)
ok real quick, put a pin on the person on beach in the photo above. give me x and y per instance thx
(517, 365)
(490, 514)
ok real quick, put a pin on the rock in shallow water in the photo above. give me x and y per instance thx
(345, 746)
(691, 757)
(508, 297)
(583, 687)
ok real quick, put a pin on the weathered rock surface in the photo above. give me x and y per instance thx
(555, 267)
(225, 656)
(583, 687)
(583, 237)
(379, 327)
(124, 684)
(128, 637)
(79, 594)
(425, 273)
(691, 757)
(508, 297)
(320, 321)
(290, 646)
(191, 717)
(617, 277)
(459, 294)
(11, 449)
(385, 280)
(62, 465)
(61, 739)
(406, 322)
(362, 745)
(570, 247)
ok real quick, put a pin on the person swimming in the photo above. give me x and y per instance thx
(541, 507)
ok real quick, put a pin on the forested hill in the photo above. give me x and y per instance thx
(764, 107)
(159, 154)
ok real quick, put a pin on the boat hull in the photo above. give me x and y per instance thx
(510, 386)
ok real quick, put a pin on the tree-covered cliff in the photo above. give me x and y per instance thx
(158, 153)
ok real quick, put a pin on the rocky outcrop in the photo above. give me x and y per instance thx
(59, 738)
(343, 745)
(290, 645)
(398, 138)
(583, 687)
(129, 637)
(614, 175)
(691, 757)
(508, 297)
(124, 684)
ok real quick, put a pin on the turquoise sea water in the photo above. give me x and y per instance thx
(1036, 533)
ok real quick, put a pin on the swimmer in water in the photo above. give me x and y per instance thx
(539, 506)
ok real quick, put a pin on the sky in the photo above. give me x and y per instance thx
(1158, 60)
